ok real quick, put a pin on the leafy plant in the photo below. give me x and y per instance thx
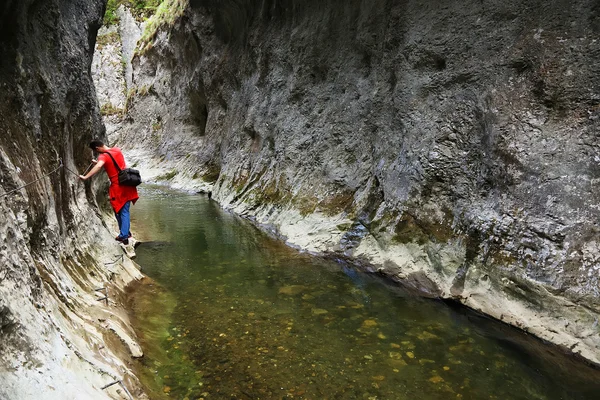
(166, 14)
(141, 9)
(167, 176)
(109, 109)
(110, 16)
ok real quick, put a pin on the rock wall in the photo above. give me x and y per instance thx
(57, 341)
(448, 145)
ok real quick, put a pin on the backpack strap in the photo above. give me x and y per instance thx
(113, 159)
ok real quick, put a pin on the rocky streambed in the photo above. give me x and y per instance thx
(229, 312)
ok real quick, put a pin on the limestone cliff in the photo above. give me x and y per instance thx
(449, 145)
(57, 341)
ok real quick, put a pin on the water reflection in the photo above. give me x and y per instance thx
(231, 313)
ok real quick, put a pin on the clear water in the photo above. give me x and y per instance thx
(230, 313)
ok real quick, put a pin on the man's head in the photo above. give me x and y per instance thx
(96, 144)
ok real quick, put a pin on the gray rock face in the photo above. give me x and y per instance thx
(454, 141)
(53, 245)
(130, 32)
(109, 70)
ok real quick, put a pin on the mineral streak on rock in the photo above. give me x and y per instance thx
(449, 144)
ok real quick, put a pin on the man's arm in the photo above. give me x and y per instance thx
(93, 171)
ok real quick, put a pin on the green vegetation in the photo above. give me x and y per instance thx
(109, 109)
(306, 204)
(129, 99)
(272, 192)
(168, 176)
(421, 230)
(344, 227)
(141, 9)
(103, 40)
(166, 14)
(144, 8)
(334, 204)
(158, 14)
(211, 173)
(144, 90)
(337, 203)
(110, 16)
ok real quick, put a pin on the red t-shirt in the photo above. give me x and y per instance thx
(118, 195)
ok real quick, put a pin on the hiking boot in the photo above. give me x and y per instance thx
(123, 240)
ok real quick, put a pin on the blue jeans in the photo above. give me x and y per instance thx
(123, 220)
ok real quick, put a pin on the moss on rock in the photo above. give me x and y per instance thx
(141, 9)
(167, 12)
(412, 230)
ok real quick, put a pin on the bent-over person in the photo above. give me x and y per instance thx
(120, 196)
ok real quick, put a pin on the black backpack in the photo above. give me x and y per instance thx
(127, 176)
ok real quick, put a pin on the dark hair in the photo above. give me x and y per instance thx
(96, 143)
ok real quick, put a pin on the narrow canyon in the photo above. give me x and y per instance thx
(448, 147)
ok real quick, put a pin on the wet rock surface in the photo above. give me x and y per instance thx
(55, 249)
(457, 141)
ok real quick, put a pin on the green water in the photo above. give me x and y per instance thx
(229, 313)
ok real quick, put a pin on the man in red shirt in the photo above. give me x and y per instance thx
(120, 196)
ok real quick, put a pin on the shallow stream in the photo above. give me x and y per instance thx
(230, 313)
